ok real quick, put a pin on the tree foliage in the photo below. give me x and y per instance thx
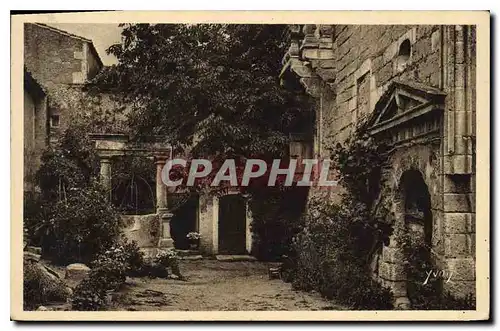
(212, 87)
(334, 250)
(361, 198)
(214, 91)
(71, 218)
(329, 258)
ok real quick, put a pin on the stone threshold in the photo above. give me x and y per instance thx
(234, 258)
(191, 257)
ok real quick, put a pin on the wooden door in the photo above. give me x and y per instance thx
(232, 224)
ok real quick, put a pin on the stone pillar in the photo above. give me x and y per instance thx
(105, 174)
(248, 227)
(207, 208)
(161, 189)
(162, 205)
(459, 235)
(391, 269)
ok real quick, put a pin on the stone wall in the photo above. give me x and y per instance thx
(61, 63)
(35, 130)
(51, 57)
(71, 101)
(348, 68)
(208, 230)
(29, 139)
(143, 229)
(56, 57)
(366, 60)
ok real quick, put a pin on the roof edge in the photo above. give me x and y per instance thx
(30, 81)
(74, 36)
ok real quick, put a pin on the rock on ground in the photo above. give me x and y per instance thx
(41, 284)
(76, 271)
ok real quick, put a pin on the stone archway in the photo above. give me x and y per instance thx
(417, 205)
(110, 146)
(412, 212)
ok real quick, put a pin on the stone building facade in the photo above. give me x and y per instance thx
(62, 62)
(36, 132)
(58, 57)
(57, 64)
(416, 86)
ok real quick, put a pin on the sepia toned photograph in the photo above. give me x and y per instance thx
(234, 167)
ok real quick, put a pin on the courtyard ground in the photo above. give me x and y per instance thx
(215, 285)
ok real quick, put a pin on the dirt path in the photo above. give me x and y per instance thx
(214, 285)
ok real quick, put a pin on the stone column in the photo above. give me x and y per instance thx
(391, 268)
(162, 205)
(206, 223)
(248, 227)
(105, 174)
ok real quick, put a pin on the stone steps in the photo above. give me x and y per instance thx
(187, 254)
(150, 252)
(234, 258)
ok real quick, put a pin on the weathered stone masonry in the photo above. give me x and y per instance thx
(61, 63)
(56, 65)
(417, 86)
(57, 57)
(35, 129)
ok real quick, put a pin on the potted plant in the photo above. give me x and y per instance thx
(194, 240)
(163, 260)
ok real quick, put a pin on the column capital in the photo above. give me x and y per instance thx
(161, 159)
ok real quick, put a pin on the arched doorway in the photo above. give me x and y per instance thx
(417, 206)
(232, 224)
(184, 207)
(413, 204)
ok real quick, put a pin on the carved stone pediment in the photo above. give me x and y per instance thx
(407, 110)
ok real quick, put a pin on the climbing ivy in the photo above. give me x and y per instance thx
(360, 162)
(426, 292)
(334, 248)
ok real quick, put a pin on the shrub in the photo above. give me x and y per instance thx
(71, 218)
(134, 258)
(39, 288)
(164, 260)
(445, 301)
(79, 227)
(277, 217)
(431, 295)
(110, 267)
(328, 261)
(89, 295)
(108, 273)
(332, 251)
(70, 163)
(158, 266)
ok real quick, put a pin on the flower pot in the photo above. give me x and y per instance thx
(194, 244)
